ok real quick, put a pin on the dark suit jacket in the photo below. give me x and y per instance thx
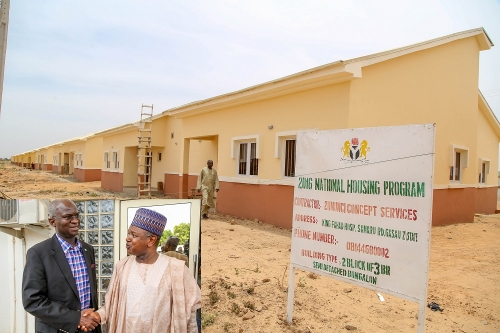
(49, 289)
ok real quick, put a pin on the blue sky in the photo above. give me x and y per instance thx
(74, 68)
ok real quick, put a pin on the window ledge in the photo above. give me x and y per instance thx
(447, 186)
(110, 170)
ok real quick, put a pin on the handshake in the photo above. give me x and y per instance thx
(89, 320)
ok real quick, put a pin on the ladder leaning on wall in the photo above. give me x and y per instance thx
(144, 153)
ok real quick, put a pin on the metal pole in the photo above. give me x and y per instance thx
(421, 317)
(4, 24)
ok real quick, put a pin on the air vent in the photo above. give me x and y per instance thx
(8, 211)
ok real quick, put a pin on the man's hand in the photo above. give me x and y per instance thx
(89, 320)
(216, 190)
(96, 316)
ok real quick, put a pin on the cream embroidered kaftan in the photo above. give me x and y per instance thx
(162, 297)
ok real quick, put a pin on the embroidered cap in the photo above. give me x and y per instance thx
(149, 220)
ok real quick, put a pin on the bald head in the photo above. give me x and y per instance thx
(54, 203)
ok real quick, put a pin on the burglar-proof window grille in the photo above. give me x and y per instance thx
(290, 158)
(97, 228)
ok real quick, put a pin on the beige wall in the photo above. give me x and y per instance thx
(168, 146)
(94, 154)
(126, 145)
(437, 85)
(77, 148)
(487, 148)
(118, 142)
(130, 163)
(158, 166)
(200, 152)
(49, 152)
(91, 150)
(320, 108)
(58, 150)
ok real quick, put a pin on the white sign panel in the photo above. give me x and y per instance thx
(363, 206)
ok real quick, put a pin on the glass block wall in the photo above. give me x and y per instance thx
(97, 227)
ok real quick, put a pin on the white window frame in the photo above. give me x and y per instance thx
(464, 163)
(483, 178)
(235, 152)
(248, 158)
(107, 161)
(115, 162)
(78, 159)
(55, 160)
(280, 150)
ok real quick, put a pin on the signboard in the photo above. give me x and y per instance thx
(362, 207)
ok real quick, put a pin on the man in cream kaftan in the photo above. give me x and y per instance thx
(208, 181)
(149, 292)
(150, 298)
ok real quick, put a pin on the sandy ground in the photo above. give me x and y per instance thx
(245, 280)
(16, 182)
(245, 274)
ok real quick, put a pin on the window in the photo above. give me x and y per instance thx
(459, 160)
(115, 160)
(246, 150)
(106, 160)
(100, 230)
(484, 169)
(248, 162)
(285, 149)
(78, 159)
(455, 169)
(159, 157)
(290, 158)
(55, 159)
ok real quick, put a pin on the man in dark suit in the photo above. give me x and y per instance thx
(59, 279)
